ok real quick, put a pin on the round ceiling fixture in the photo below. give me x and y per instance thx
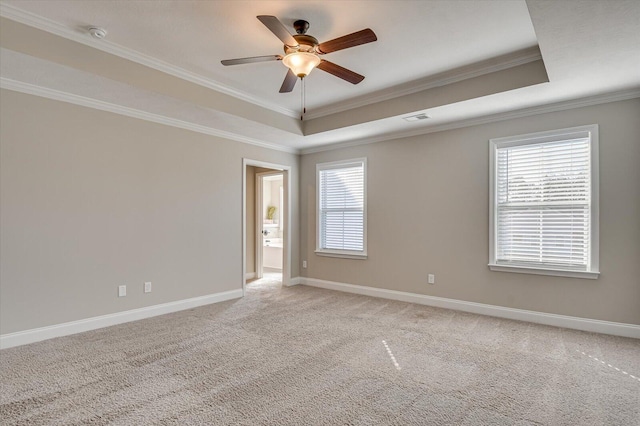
(97, 32)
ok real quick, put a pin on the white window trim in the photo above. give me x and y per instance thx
(346, 254)
(540, 137)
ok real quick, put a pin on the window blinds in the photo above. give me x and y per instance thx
(341, 207)
(543, 204)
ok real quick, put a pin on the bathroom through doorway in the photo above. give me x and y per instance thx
(266, 230)
(269, 223)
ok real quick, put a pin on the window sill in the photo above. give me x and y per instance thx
(541, 271)
(343, 255)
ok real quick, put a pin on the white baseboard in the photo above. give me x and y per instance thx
(584, 324)
(295, 281)
(37, 334)
(249, 275)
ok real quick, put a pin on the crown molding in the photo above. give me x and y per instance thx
(524, 112)
(31, 89)
(449, 77)
(45, 24)
(478, 69)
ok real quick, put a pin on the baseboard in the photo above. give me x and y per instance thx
(295, 281)
(249, 275)
(584, 324)
(37, 334)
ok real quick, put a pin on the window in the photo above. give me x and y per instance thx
(544, 203)
(342, 209)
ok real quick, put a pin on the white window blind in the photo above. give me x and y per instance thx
(341, 207)
(544, 203)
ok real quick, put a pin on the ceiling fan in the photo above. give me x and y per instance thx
(302, 52)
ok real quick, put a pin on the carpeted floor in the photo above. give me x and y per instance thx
(307, 356)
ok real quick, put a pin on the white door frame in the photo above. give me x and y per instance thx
(286, 232)
(259, 201)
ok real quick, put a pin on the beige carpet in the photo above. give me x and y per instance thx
(307, 356)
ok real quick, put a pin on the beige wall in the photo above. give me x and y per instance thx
(91, 200)
(428, 207)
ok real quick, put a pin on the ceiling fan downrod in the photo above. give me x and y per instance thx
(301, 26)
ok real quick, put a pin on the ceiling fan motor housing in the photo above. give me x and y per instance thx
(306, 43)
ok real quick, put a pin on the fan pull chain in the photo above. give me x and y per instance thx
(303, 98)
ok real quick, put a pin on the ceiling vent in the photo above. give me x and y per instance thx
(416, 117)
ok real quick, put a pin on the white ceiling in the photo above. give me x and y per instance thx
(588, 49)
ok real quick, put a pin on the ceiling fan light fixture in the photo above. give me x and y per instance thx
(301, 63)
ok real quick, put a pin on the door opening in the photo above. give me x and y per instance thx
(269, 224)
(266, 227)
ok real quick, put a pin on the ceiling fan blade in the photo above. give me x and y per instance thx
(276, 27)
(341, 72)
(289, 82)
(251, 60)
(344, 42)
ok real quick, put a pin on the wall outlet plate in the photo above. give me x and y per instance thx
(147, 287)
(122, 290)
(431, 279)
(304, 263)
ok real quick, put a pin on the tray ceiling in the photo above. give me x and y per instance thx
(454, 60)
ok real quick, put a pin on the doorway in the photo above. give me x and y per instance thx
(269, 192)
(266, 236)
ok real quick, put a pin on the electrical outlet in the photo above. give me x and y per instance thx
(147, 287)
(304, 263)
(122, 290)
(431, 279)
